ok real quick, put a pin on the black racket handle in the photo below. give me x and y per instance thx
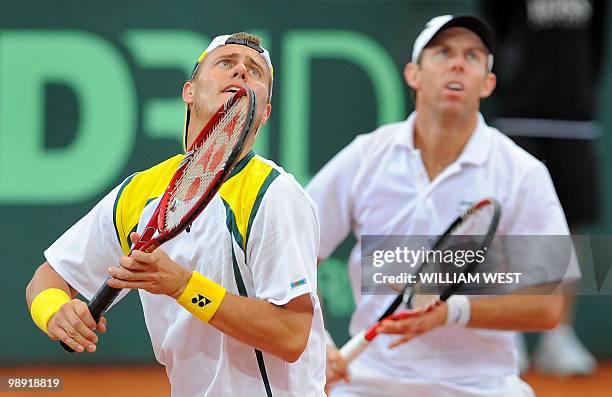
(98, 305)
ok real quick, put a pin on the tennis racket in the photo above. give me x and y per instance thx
(206, 166)
(479, 222)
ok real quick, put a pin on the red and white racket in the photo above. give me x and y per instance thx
(479, 222)
(206, 166)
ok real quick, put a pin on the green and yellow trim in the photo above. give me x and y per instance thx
(242, 194)
(135, 193)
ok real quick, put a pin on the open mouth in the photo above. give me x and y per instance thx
(454, 86)
(232, 89)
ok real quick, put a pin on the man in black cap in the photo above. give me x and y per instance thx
(414, 178)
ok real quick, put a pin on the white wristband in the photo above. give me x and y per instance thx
(328, 339)
(459, 310)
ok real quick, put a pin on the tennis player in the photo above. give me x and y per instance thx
(259, 332)
(414, 178)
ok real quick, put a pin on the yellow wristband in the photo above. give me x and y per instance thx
(202, 297)
(46, 304)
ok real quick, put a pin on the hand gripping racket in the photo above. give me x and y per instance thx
(479, 222)
(205, 167)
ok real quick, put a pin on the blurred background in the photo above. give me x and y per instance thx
(90, 93)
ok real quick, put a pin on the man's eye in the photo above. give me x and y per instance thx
(443, 53)
(255, 73)
(472, 57)
(224, 64)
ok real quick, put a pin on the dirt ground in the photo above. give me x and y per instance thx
(151, 381)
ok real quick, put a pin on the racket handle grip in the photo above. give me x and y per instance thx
(359, 342)
(102, 300)
(98, 305)
(354, 347)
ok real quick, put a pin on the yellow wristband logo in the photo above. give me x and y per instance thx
(201, 300)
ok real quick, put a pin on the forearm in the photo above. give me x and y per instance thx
(45, 277)
(280, 330)
(517, 312)
(504, 313)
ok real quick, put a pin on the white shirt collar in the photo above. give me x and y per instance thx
(476, 151)
(406, 137)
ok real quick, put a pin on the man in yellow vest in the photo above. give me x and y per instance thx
(260, 329)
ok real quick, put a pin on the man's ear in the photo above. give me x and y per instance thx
(266, 113)
(412, 75)
(488, 86)
(188, 92)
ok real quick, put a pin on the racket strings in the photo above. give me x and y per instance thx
(208, 160)
(472, 233)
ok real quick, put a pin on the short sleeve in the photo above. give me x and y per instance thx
(283, 243)
(331, 190)
(539, 214)
(84, 252)
(539, 211)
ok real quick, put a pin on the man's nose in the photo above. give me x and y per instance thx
(457, 62)
(240, 71)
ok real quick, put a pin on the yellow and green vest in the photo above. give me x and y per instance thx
(241, 194)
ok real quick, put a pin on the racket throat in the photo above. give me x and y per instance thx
(408, 302)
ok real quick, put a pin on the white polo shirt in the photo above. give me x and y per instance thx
(378, 185)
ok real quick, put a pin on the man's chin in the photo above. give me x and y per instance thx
(455, 105)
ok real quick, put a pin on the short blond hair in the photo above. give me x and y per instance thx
(251, 38)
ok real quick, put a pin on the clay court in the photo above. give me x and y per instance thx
(151, 381)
